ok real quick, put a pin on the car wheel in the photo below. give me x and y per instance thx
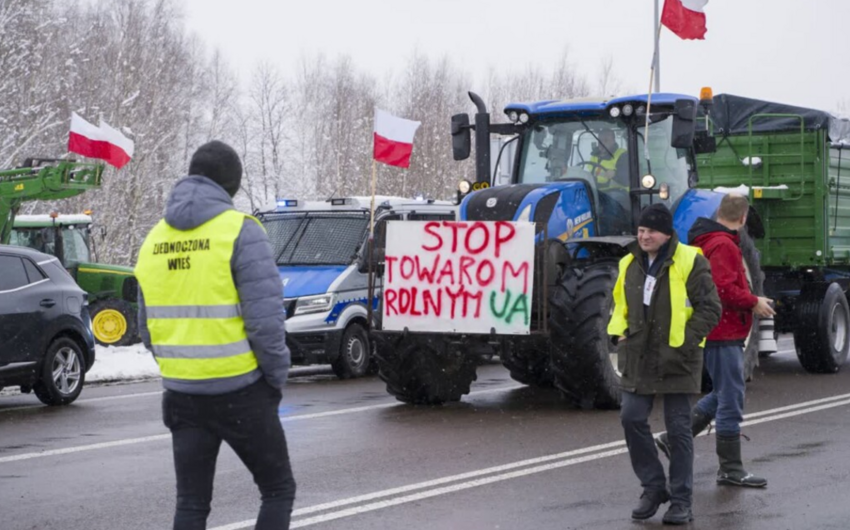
(63, 373)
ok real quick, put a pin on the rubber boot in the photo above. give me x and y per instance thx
(699, 422)
(732, 471)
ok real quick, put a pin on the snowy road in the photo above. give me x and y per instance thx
(507, 457)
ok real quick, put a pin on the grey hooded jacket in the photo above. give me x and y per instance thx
(194, 201)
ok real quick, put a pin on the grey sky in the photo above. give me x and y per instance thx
(792, 51)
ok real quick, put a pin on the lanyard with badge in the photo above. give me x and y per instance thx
(648, 288)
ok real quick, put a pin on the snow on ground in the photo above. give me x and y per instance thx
(122, 363)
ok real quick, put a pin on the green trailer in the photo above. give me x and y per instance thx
(793, 164)
(112, 289)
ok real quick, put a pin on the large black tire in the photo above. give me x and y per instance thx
(821, 331)
(114, 322)
(355, 353)
(528, 363)
(420, 370)
(63, 373)
(579, 310)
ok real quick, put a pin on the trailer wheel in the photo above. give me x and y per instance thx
(580, 308)
(823, 324)
(527, 364)
(114, 322)
(420, 370)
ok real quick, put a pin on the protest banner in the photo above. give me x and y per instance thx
(458, 276)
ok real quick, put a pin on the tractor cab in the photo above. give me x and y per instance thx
(590, 162)
(68, 237)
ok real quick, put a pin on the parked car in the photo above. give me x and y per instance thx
(46, 339)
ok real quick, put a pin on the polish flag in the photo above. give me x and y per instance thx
(685, 18)
(393, 139)
(104, 142)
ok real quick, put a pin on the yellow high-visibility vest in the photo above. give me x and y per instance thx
(681, 309)
(191, 302)
(605, 182)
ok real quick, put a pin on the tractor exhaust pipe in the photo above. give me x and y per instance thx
(482, 140)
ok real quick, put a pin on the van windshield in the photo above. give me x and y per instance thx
(316, 238)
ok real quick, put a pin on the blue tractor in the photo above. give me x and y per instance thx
(582, 172)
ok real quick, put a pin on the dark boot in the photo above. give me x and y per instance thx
(678, 514)
(732, 471)
(649, 503)
(699, 422)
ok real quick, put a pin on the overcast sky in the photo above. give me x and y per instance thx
(792, 51)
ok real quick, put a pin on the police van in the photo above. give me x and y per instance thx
(321, 249)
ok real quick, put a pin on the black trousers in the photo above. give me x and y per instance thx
(248, 421)
(634, 415)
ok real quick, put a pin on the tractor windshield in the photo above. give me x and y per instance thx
(75, 246)
(597, 152)
(670, 165)
(316, 238)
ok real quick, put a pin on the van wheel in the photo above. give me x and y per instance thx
(114, 322)
(355, 354)
(63, 373)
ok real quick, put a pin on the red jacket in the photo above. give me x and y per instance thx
(721, 246)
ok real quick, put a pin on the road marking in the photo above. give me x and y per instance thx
(560, 460)
(167, 436)
(90, 400)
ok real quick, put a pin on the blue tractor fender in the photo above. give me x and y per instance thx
(694, 204)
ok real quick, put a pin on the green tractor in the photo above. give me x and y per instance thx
(112, 289)
(792, 163)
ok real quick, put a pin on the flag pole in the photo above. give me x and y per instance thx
(371, 287)
(657, 59)
(652, 76)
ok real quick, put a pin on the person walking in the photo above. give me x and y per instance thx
(211, 311)
(665, 303)
(724, 350)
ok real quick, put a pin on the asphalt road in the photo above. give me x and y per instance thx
(506, 457)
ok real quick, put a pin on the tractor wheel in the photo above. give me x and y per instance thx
(419, 370)
(755, 276)
(823, 322)
(114, 322)
(580, 308)
(528, 364)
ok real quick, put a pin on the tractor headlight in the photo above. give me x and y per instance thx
(648, 181)
(523, 117)
(525, 214)
(513, 116)
(464, 186)
(314, 304)
(614, 112)
(628, 109)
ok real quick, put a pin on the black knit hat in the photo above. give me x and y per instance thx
(657, 217)
(218, 162)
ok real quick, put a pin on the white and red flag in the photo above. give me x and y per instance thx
(685, 18)
(104, 142)
(393, 139)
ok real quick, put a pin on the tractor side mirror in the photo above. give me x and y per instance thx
(704, 143)
(461, 138)
(377, 259)
(684, 123)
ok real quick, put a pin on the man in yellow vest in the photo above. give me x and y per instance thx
(211, 311)
(609, 165)
(665, 303)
